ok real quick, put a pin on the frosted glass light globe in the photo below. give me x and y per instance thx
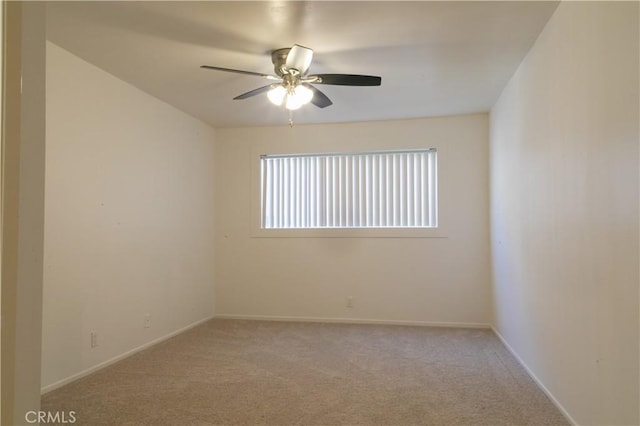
(276, 95)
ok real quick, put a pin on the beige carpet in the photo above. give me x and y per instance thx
(228, 372)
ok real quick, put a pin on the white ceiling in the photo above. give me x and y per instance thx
(435, 58)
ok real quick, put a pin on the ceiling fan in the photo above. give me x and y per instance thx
(292, 86)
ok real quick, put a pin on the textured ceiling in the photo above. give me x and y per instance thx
(435, 58)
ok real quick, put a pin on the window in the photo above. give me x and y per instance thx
(386, 189)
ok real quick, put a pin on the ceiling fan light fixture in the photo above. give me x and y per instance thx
(298, 96)
(293, 98)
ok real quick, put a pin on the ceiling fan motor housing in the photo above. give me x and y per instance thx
(279, 59)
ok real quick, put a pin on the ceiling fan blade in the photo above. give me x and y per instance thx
(299, 58)
(209, 67)
(254, 92)
(319, 99)
(347, 79)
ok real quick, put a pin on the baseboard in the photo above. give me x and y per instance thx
(120, 357)
(541, 385)
(352, 321)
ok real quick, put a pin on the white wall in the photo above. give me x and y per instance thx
(564, 211)
(412, 280)
(129, 218)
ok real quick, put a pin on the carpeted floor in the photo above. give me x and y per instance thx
(229, 372)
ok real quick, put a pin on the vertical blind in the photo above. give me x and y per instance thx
(389, 189)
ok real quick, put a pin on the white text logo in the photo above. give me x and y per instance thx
(45, 417)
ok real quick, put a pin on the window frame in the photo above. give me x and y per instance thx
(257, 231)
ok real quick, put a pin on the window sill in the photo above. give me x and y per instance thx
(350, 233)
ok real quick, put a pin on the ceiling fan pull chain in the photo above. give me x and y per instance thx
(290, 118)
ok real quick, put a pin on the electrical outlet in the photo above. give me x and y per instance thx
(147, 321)
(94, 339)
(349, 302)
